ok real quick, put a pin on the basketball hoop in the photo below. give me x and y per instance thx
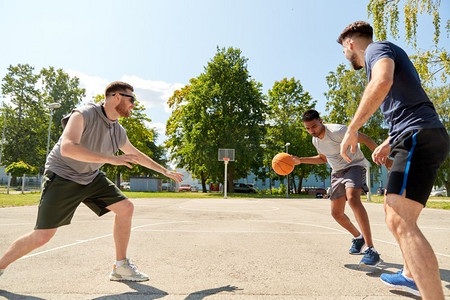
(225, 155)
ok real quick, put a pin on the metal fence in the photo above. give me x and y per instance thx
(26, 183)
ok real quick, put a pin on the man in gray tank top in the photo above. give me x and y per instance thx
(92, 135)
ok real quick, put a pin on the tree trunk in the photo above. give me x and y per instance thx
(202, 175)
(300, 182)
(118, 178)
(230, 185)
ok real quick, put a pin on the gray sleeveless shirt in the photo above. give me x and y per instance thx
(99, 135)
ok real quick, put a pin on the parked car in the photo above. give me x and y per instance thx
(442, 192)
(125, 186)
(184, 187)
(318, 192)
(194, 188)
(244, 188)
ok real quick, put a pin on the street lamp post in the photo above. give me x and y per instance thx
(51, 106)
(287, 176)
(3, 137)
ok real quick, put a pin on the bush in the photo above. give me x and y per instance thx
(17, 169)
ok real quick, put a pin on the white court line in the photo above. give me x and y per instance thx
(314, 225)
(96, 238)
(271, 208)
(15, 224)
(338, 231)
(240, 231)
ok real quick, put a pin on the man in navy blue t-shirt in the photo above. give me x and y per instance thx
(417, 141)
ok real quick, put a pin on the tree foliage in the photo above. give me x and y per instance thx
(440, 97)
(19, 168)
(428, 62)
(19, 84)
(287, 101)
(26, 116)
(221, 108)
(386, 19)
(345, 89)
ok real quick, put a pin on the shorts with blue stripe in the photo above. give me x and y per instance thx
(417, 154)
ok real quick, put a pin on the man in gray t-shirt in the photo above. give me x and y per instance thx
(92, 136)
(347, 180)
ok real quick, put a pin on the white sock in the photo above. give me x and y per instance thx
(403, 274)
(120, 262)
(359, 237)
(373, 249)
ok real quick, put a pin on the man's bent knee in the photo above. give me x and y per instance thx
(41, 236)
(337, 214)
(122, 208)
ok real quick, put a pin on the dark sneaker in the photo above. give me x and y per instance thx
(127, 272)
(399, 282)
(357, 246)
(371, 258)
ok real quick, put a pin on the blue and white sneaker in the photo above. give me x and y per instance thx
(357, 246)
(371, 258)
(400, 282)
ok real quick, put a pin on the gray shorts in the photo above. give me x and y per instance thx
(353, 177)
(61, 197)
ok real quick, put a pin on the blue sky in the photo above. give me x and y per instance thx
(159, 45)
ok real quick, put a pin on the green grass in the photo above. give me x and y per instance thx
(9, 200)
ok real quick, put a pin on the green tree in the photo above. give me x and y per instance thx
(345, 89)
(27, 113)
(440, 97)
(429, 62)
(287, 101)
(59, 87)
(386, 19)
(19, 168)
(221, 108)
(196, 158)
(24, 115)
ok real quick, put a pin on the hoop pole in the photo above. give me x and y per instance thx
(225, 184)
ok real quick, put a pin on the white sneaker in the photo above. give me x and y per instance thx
(127, 272)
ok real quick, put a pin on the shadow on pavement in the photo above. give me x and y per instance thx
(145, 291)
(148, 292)
(12, 296)
(204, 293)
(381, 268)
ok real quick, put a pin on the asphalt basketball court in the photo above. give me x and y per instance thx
(214, 249)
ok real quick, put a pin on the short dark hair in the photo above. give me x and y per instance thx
(117, 86)
(310, 115)
(359, 28)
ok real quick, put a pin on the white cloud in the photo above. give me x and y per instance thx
(152, 93)
(149, 93)
(94, 85)
(159, 127)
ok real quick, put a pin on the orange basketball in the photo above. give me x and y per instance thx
(283, 164)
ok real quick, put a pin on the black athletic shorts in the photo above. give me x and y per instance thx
(417, 154)
(61, 197)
